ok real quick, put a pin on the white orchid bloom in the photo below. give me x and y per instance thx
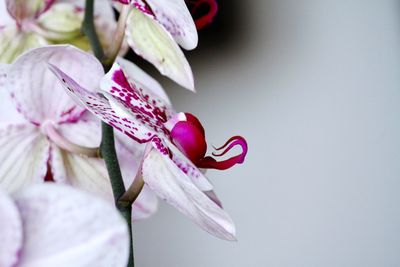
(26, 24)
(155, 28)
(51, 225)
(44, 135)
(175, 143)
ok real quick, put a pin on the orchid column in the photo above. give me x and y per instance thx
(107, 147)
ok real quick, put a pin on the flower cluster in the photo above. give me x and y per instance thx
(57, 97)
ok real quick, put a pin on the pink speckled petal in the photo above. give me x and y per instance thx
(10, 231)
(176, 18)
(171, 184)
(121, 119)
(37, 92)
(23, 155)
(65, 227)
(149, 39)
(137, 75)
(189, 168)
(22, 9)
(124, 2)
(136, 101)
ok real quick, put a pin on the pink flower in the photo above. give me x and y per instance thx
(44, 134)
(175, 143)
(52, 225)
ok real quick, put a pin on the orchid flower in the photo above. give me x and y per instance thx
(36, 23)
(203, 11)
(44, 135)
(175, 143)
(154, 28)
(52, 225)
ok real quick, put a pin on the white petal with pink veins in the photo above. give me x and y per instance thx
(10, 231)
(8, 111)
(64, 227)
(171, 184)
(153, 42)
(38, 94)
(23, 155)
(176, 18)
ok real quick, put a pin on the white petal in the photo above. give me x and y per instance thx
(10, 231)
(150, 40)
(13, 42)
(89, 174)
(22, 9)
(176, 18)
(130, 155)
(65, 227)
(84, 132)
(61, 23)
(38, 94)
(172, 185)
(5, 17)
(23, 155)
(140, 76)
(145, 205)
(3, 74)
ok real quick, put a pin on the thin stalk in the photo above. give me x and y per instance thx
(107, 147)
(119, 36)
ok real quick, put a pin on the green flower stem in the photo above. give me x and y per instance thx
(107, 147)
(107, 150)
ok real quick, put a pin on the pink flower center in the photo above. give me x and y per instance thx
(188, 135)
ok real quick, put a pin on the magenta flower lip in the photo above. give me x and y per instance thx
(189, 136)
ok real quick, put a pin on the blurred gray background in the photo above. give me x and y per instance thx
(314, 86)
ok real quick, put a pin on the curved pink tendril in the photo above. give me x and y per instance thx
(211, 163)
(207, 18)
(237, 140)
